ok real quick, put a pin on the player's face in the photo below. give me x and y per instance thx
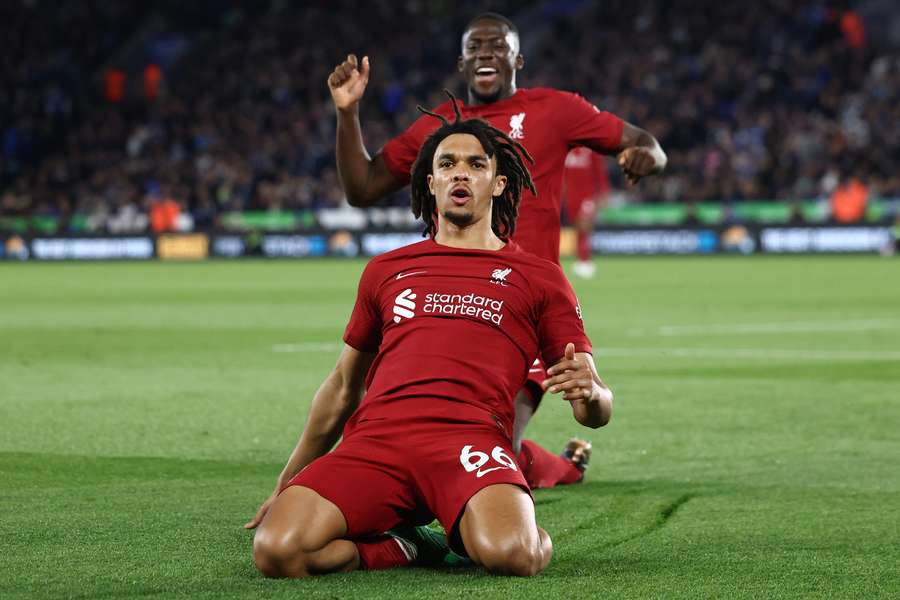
(489, 61)
(463, 180)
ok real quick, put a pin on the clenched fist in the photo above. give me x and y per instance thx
(637, 162)
(348, 82)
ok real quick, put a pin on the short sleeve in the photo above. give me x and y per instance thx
(559, 321)
(400, 153)
(586, 125)
(363, 332)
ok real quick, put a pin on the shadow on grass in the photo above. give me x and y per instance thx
(589, 520)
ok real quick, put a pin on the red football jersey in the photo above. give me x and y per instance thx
(548, 123)
(456, 330)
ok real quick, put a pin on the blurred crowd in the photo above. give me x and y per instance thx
(768, 100)
(762, 100)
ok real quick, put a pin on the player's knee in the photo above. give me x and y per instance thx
(279, 556)
(525, 561)
(514, 557)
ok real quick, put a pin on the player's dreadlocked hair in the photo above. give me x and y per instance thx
(508, 153)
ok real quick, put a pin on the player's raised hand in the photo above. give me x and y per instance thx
(637, 162)
(261, 513)
(348, 82)
(570, 375)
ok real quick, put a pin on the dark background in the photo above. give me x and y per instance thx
(774, 100)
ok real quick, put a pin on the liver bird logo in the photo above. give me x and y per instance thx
(499, 275)
(517, 126)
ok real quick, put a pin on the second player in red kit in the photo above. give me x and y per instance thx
(548, 123)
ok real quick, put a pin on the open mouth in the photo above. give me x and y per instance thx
(486, 75)
(460, 195)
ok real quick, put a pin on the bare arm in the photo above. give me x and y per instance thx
(365, 180)
(576, 375)
(640, 154)
(334, 402)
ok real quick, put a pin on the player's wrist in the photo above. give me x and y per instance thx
(348, 111)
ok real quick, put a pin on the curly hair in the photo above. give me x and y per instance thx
(508, 153)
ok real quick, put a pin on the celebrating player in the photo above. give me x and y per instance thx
(440, 339)
(546, 122)
(585, 185)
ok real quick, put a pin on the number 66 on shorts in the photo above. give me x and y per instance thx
(474, 460)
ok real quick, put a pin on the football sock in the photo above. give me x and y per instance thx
(584, 246)
(543, 469)
(384, 552)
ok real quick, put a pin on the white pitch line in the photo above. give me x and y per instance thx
(850, 326)
(307, 347)
(754, 353)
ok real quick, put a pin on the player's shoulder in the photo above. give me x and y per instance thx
(445, 109)
(385, 266)
(546, 94)
(387, 259)
(423, 125)
(536, 265)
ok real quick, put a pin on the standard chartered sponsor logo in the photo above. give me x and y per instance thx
(466, 305)
(462, 305)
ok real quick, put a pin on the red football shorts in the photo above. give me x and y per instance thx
(411, 470)
(536, 374)
(581, 208)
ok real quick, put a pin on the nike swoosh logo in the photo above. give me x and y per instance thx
(486, 471)
(402, 275)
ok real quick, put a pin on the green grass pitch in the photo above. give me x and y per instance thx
(146, 409)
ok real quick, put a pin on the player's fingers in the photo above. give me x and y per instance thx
(570, 351)
(351, 60)
(577, 383)
(346, 71)
(337, 78)
(256, 520)
(634, 161)
(336, 75)
(561, 378)
(565, 364)
(577, 394)
(569, 385)
(644, 164)
(258, 517)
(561, 367)
(547, 383)
(364, 71)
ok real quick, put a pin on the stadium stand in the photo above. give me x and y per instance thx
(118, 116)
